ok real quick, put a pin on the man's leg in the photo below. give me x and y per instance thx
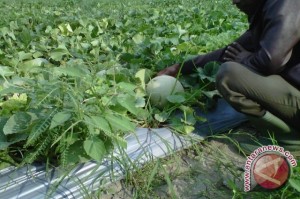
(254, 94)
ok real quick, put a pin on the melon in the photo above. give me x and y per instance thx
(160, 87)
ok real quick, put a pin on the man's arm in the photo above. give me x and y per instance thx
(190, 66)
(281, 31)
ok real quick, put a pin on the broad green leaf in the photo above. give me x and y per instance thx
(138, 38)
(99, 122)
(161, 117)
(59, 52)
(7, 31)
(14, 138)
(140, 102)
(184, 46)
(120, 123)
(11, 90)
(176, 99)
(76, 154)
(181, 31)
(209, 71)
(65, 29)
(4, 145)
(24, 56)
(17, 123)
(95, 148)
(25, 37)
(35, 62)
(188, 129)
(144, 75)
(104, 23)
(95, 43)
(211, 68)
(181, 127)
(125, 86)
(6, 71)
(156, 48)
(3, 121)
(295, 184)
(71, 71)
(59, 119)
(128, 102)
(188, 115)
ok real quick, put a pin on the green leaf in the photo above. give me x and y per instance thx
(4, 145)
(209, 71)
(125, 86)
(3, 140)
(25, 37)
(13, 139)
(188, 117)
(177, 125)
(3, 121)
(98, 122)
(181, 31)
(11, 90)
(138, 38)
(38, 62)
(65, 29)
(40, 127)
(59, 118)
(76, 154)
(144, 75)
(17, 123)
(161, 117)
(72, 71)
(140, 102)
(120, 123)
(176, 99)
(23, 56)
(188, 129)
(6, 71)
(59, 52)
(185, 123)
(95, 148)
(295, 184)
(128, 102)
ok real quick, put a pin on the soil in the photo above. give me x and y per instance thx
(213, 169)
(213, 172)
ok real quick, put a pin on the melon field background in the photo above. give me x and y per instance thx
(73, 73)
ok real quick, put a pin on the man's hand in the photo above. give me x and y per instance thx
(171, 70)
(236, 53)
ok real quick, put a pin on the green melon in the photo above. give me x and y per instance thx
(160, 87)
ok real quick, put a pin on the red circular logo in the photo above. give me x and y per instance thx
(271, 170)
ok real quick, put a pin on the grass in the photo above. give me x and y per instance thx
(211, 169)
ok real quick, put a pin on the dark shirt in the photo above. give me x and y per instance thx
(273, 38)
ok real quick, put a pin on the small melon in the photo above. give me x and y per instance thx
(160, 87)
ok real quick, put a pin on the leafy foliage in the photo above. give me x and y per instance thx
(73, 73)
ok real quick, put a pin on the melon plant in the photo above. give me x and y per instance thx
(160, 88)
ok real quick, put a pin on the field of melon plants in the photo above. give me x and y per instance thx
(73, 72)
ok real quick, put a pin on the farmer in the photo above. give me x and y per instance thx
(260, 71)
